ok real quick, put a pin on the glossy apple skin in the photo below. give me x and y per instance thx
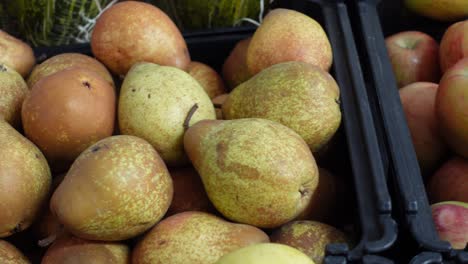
(454, 45)
(451, 220)
(414, 57)
(452, 107)
(450, 182)
(418, 100)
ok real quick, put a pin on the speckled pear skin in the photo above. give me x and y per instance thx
(9, 254)
(195, 238)
(266, 253)
(70, 249)
(288, 35)
(154, 103)
(296, 94)
(13, 90)
(255, 171)
(25, 181)
(309, 237)
(116, 189)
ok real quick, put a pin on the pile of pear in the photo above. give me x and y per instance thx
(140, 155)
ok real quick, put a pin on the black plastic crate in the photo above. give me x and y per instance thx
(375, 20)
(360, 155)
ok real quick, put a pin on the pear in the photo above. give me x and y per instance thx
(235, 69)
(288, 35)
(116, 189)
(154, 104)
(208, 78)
(16, 54)
(9, 254)
(13, 90)
(25, 181)
(296, 94)
(66, 60)
(195, 238)
(440, 10)
(218, 102)
(309, 237)
(69, 249)
(266, 253)
(255, 171)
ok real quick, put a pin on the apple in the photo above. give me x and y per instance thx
(454, 45)
(442, 10)
(452, 107)
(418, 100)
(450, 182)
(451, 220)
(414, 57)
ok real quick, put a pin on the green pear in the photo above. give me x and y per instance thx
(13, 90)
(69, 249)
(195, 238)
(296, 94)
(255, 171)
(9, 254)
(266, 253)
(309, 237)
(115, 190)
(25, 181)
(154, 104)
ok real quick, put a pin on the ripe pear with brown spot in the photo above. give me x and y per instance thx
(255, 171)
(68, 111)
(67, 60)
(13, 90)
(115, 190)
(288, 35)
(309, 237)
(70, 249)
(195, 238)
(25, 181)
(298, 95)
(9, 254)
(235, 69)
(208, 78)
(154, 104)
(16, 54)
(131, 32)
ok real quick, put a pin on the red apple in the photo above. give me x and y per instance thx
(454, 45)
(450, 182)
(418, 100)
(414, 57)
(451, 220)
(452, 107)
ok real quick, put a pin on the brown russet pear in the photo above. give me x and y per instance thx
(16, 54)
(66, 112)
(255, 171)
(195, 238)
(208, 78)
(131, 32)
(13, 90)
(189, 193)
(154, 104)
(67, 60)
(296, 94)
(309, 237)
(9, 254)
(235, 69)
(70, 249)
(25, 181)
(116, 189)
(288, 35)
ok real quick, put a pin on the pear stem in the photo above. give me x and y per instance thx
(51, 238)
(189, 116)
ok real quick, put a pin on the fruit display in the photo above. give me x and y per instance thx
(137, 154)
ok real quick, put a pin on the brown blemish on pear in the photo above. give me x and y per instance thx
(194, 237)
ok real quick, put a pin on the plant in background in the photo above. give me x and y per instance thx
(53, 22)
